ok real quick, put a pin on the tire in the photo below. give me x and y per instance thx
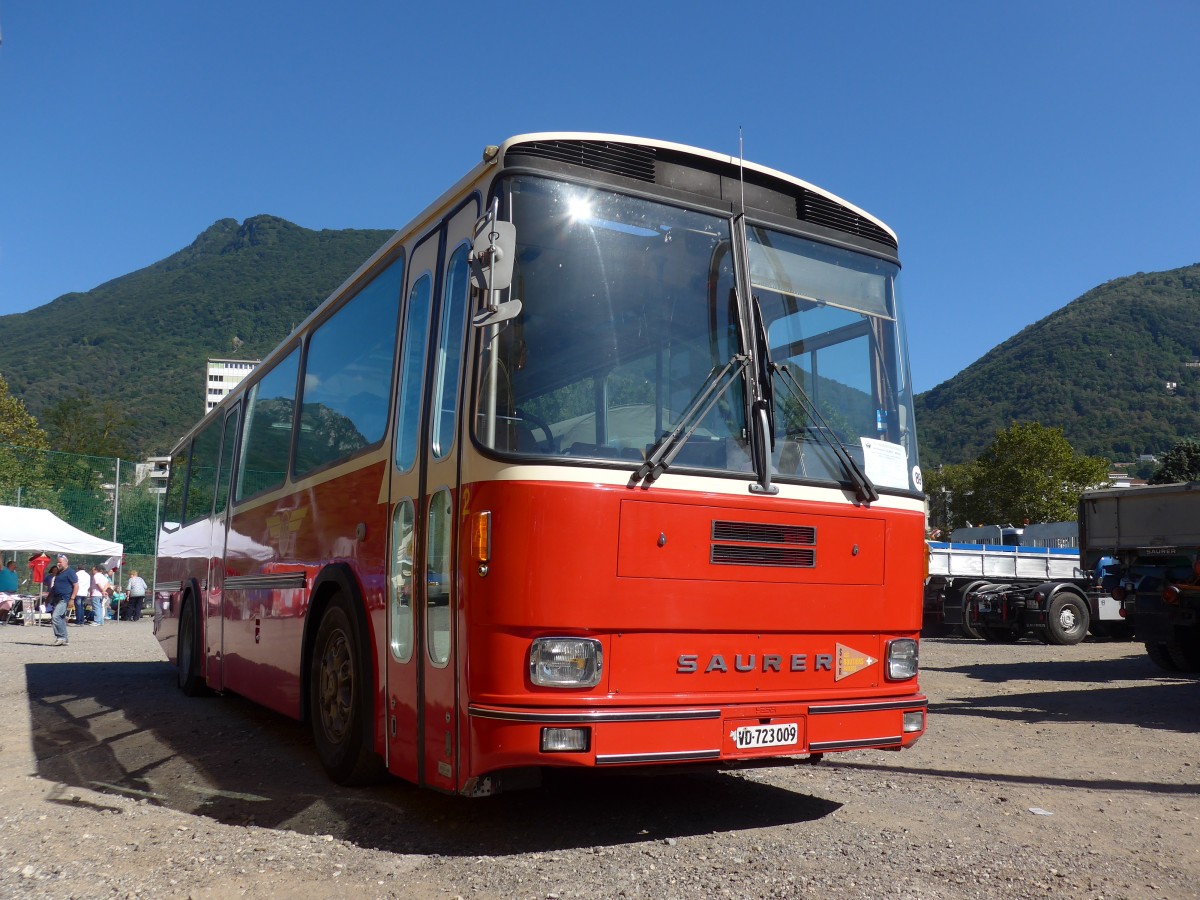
(1184, 650)
(966, 628)
(1067, 619)
(1158, 654)
(340, 697)
(1001, 635)
(191, 651)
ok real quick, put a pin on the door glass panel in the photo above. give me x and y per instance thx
(401, 581)
(449, 354)
(412, 371)
(438, 552)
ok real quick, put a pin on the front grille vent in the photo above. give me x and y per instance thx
(812, 207)
(629, 160)
(749, 555)
(763, 544)
(763, 533)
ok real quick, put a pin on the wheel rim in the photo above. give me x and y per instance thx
(336, 692)
(1067, 618)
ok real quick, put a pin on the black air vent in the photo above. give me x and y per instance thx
(763, 544)
(749, 555)
(763, 533)
(630, 160)
(821, 210)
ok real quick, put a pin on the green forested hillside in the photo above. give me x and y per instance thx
(1099, 368)
(141, 340)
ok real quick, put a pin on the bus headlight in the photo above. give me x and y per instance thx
(565, 662)
(901, 659)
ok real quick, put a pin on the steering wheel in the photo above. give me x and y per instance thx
(532, 421)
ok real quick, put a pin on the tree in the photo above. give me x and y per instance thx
(1029, 473)
(1180, 463)
(22, 443)
(78, 423)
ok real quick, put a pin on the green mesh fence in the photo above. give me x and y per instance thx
(106, 497)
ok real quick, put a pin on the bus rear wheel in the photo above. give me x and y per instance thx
(190, 676)
(340, 699)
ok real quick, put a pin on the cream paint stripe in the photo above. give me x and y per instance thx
(480, 469)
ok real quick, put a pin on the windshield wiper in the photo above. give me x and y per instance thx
(863, 486)
(669, 445)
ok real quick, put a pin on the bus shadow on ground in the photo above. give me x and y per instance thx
(124, 729)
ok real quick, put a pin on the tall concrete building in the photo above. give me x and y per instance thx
(223, 376)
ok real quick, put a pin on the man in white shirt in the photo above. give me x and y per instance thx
(99, 594)
(83, 595)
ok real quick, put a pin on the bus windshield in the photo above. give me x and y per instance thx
(630, 322)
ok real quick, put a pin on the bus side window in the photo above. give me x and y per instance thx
(202, 481)
(267, 437)
(223, 474)
(348, 374)
(172, 515)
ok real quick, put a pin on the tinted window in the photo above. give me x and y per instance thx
(449, 354)
(173, 506)
(203, 479)
(268, 432)
(348, 375)
(231, 430)
(412, 368)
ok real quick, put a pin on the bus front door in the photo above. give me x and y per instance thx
(425, 619)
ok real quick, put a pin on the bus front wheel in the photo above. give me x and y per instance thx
(340, 699)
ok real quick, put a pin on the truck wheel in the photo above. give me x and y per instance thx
(1184, 649)
(340, 696)
(966, 628)
(1001, 635)
(1067, 619)
(1157, 651)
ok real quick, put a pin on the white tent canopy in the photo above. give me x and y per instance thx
(39, 529)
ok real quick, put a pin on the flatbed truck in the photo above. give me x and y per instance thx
(998, 592)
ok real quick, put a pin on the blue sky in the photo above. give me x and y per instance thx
(1024, 152)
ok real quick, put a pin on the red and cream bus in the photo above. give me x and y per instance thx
(607, 459)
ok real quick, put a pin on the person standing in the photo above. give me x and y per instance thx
(99, 594)
(64, 589)
(136, 589)
(83, 595)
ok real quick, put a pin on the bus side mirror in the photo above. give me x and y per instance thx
(493, 252)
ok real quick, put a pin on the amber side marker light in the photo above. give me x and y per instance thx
(481, 537)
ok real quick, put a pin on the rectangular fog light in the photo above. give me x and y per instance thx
(914, 721)
(566, 740)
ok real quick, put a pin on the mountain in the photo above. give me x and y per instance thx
(141, 340)
(1117, 369)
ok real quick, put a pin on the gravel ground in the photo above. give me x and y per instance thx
(1064, 771)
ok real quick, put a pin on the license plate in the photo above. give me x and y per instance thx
(782, 735)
